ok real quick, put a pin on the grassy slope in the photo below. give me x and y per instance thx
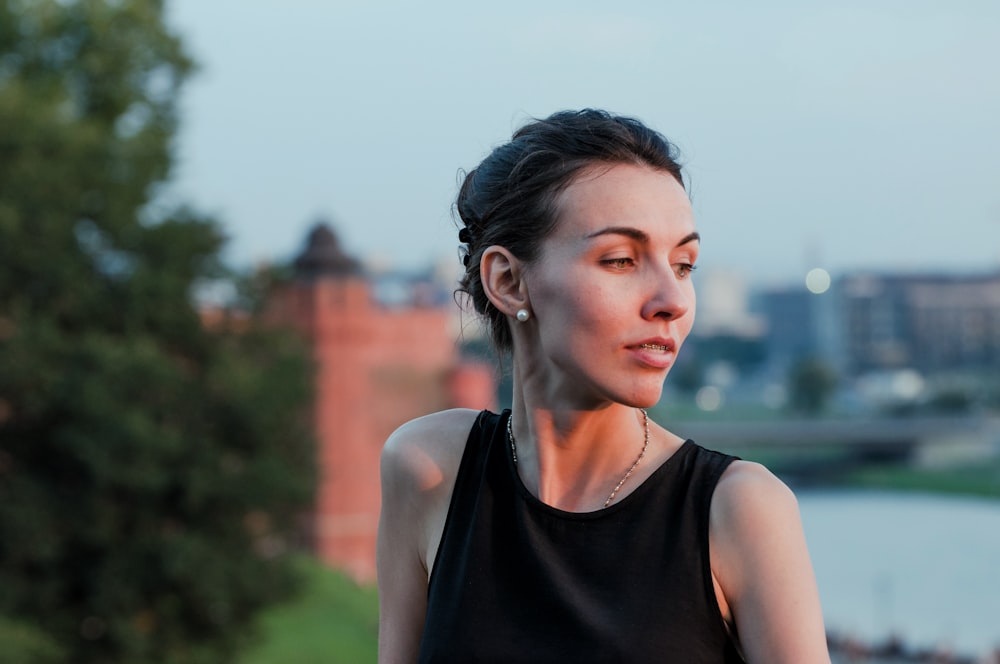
(979, 480)
(333, 621)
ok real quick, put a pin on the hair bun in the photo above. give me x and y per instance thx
(464, 235)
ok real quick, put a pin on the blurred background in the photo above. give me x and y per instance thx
(227, 258)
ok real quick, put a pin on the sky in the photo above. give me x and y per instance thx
(858, 135)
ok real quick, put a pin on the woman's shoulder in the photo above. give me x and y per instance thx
(424, 451)
(749, 490)
(753, 515)
(436, 433)
(419, 465)
(748, 484)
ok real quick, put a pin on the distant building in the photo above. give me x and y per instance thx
(377, 366)
(930, 322)
(792, 316)
(886, 322)
(724, 307)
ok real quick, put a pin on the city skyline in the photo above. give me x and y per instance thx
(851, 137)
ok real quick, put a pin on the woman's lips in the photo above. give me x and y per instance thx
(657, 354)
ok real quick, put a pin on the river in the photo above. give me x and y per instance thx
(924, 567)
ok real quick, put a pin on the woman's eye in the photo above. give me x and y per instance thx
(685, 269)
(619, 263)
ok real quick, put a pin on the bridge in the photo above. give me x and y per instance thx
(920, 440)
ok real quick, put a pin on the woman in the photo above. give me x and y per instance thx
(572, 528)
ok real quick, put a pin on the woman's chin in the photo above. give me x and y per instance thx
(645, 399)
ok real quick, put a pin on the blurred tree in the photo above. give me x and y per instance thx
(26, 644)
(952, 400)
(746, 354)
(688, 375)
(811, 383)
(153, 461)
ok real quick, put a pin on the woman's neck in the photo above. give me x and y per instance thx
(570, 457)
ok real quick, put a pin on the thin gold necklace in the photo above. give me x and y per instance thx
(614, 492)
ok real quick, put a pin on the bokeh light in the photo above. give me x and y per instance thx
(818, 280)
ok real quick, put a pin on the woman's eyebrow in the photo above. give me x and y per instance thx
(690, 237)
(638, 235)
(627, 231)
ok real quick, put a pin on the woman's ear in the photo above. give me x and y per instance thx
(502, 275)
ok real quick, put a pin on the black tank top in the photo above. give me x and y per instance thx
(516, 580)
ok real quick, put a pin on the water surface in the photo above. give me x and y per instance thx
(925, 567)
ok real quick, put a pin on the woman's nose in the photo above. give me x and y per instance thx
(670, 297)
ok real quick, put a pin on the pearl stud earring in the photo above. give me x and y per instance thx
(523, 315)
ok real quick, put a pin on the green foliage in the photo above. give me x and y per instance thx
(952, 401)
(688, 375)
(152, 469)
(743, 353)
(26, 644)
(979, 479)
(811, 383)
(333, 622)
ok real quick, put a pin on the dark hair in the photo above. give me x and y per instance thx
(509, 199)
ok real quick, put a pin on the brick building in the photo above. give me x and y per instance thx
(376, 367)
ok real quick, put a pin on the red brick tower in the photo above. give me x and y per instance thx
(376, 368)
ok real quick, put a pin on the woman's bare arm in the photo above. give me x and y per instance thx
(419, 464)
(402, 579)
(761, 563)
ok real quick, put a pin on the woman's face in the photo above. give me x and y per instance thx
(611, 293)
